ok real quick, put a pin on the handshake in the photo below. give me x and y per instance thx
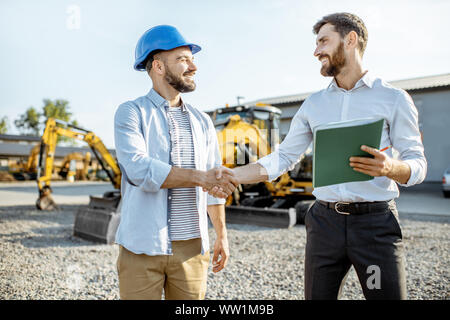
(219, 182)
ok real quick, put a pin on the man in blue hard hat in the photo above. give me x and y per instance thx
(167, 151)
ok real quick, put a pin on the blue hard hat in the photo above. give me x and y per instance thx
(162, 37)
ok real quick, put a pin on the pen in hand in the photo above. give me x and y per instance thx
(384, 149)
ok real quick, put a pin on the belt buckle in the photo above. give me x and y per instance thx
(341, 212)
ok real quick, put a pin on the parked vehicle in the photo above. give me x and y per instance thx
(446, 183)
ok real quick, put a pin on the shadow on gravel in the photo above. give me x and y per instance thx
(79, 190)
(56, 229)
(59, 241)
(65, 215)
(425, 217)
(14, 234)
(19, 212)
(245, 227)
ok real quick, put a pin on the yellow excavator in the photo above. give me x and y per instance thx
(245, 134)
(26, 170)
(69, 169)
(99, 221)
(32, 159)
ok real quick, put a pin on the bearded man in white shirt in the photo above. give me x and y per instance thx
(352, 223)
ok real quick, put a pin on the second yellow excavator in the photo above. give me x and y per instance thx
(245, 134)
(69, 168)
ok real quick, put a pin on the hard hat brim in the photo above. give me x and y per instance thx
(139, 64)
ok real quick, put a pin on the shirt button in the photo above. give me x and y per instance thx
(170, 198)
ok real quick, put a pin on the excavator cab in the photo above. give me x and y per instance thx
(245, 134)
(264, 117)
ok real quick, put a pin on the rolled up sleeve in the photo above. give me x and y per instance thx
(406, 138)
(214, 159)
(141, 170)
(293, 146)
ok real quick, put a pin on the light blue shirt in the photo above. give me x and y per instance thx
(142, 140)
(370, 97)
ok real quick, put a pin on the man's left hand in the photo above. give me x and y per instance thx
(380, 165)
(220, 250)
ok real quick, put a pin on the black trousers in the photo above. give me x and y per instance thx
(371, 242)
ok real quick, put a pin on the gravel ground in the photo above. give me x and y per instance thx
(40, 259)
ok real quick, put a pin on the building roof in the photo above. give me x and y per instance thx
(22, 150)
(10, 146)
(420, 83)
(285, 99)
(436, 81)
(14, 137)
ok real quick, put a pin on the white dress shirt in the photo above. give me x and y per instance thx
(370, 97)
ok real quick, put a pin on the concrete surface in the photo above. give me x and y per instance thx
(424, 199)
(26, 193)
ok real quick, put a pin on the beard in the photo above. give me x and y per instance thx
(335, 62)
(178, 83)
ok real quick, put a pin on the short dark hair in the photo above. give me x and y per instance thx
(343, 23)
(149, 60)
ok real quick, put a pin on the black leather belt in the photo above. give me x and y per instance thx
(356, 207)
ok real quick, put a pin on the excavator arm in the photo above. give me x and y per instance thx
(53, 129)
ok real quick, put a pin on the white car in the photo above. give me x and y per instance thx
(446, 183)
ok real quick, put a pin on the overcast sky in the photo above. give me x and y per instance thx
(251, 48)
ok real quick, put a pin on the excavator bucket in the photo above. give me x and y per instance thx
(45, 201)
(265, 217)
(98, 221)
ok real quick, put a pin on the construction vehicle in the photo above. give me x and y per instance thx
(26, 170)
(69, 169)
(32, 159)
(99, 221)
(245, 134)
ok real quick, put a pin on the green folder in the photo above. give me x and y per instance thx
(336, 142)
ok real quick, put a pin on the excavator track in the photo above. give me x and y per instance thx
(265, 217)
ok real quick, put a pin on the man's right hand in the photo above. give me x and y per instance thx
(222, 178)
(250, 173)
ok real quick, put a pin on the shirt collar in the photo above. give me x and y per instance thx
(366, 79)
(161, 102)
(183, 107)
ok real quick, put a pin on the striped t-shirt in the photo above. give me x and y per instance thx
(183, 211)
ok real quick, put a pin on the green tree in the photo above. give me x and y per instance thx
(28, 123)
(32, 122)
(58, 109)
(4, 125)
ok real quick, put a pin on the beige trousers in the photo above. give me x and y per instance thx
(181, 275)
